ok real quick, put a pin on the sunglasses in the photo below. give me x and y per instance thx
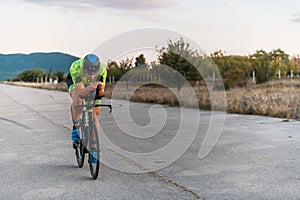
(90, 70)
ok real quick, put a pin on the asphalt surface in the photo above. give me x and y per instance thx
(255, 157)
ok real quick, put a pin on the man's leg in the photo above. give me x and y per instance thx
(96, 112)
(71, 88)
(71, 95)
(75, 110)
(96, 115)
(76, 114)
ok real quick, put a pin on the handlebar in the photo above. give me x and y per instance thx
(105, 105)
(91, 97)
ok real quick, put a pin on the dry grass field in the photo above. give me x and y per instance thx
(276, 99)
(49, 86)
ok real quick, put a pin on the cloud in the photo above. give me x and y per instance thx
(296, 18)
(118, 4)
(230, 4)
(224, 5)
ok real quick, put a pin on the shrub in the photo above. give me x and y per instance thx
(30, 75)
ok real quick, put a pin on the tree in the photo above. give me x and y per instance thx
(126, 64)
(295, 63)
(235, 70)
(60, 75)
(50, 73)
(280, 61)
(220, 59)
(140, 60)
(117, 71)
(262, 67)
(30, 75)
(179, 56)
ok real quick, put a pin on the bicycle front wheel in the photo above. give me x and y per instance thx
(94, 152)
(79, 154)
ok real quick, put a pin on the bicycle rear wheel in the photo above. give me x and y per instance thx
(94, 148)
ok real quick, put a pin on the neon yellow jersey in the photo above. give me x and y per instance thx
(78, 76)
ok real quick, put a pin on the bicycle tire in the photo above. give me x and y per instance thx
(80, 153)
(94, 167)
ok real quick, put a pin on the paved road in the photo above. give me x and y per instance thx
(255, 157)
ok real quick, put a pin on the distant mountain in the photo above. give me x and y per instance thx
(12, 64)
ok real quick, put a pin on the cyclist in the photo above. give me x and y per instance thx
(85, 75)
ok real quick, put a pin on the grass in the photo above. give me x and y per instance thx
(49, 86)
(275, 99)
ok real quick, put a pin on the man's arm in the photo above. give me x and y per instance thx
(102, 81)
(100, 89)
(84, 91)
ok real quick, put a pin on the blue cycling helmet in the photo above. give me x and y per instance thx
(91, 64)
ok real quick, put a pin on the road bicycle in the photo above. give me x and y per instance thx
(89, 139)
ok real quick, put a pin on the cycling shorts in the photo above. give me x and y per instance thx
(70, 83)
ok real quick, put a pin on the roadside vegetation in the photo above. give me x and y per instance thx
(263, 83)
(280, 98)
(38, 75)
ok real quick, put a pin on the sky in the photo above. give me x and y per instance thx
(77, 27)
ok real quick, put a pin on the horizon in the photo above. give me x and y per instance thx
(236, 27)
(141, 52)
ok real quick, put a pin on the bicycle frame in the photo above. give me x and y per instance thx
(87, 106)
(89, 139)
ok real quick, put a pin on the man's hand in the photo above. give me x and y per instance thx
(100, 85)
(100, 89)
(92, 86)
